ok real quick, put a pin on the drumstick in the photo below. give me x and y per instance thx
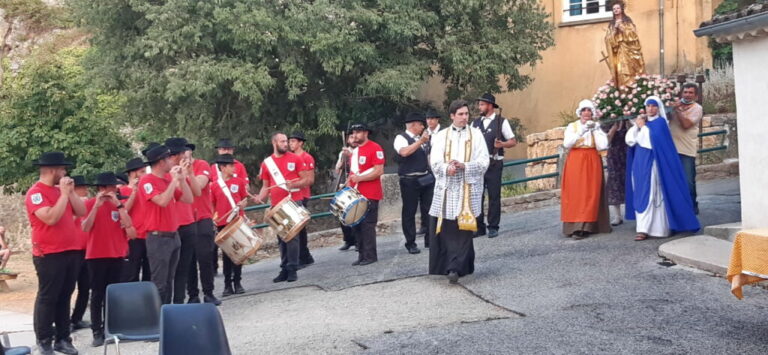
(273, 186)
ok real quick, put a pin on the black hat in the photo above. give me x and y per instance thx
(360, 127)
(416, 117)
(80, 180)
(52, 159)
(297, 135)
(225, 159)
(225, 143)
(489, 99)
(134, 164)
(156, 153)
(178, 145)
(432, 114)
(149, 146)
(106, 179)
(122, 178)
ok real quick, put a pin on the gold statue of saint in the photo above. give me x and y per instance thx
(625, 57)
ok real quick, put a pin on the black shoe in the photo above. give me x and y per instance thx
(45, 346)
(239, 290)
(81, 324)
(210, 298)
(228, 291)
(291, 276)
(580, 235)
(356, 263)
(366, 262)
(413, 250)
(421, 231)
(282, 276)
(65, 346)
(98, 339)
(453, 277)
(480, 232)
(346, 246)
(194, 299)
(493, 233)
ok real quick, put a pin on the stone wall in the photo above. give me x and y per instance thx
(717, 122)
(540, 145)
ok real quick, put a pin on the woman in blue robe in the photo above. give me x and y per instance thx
(657, 193)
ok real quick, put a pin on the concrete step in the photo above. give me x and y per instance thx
(702, 252)
(723, 231)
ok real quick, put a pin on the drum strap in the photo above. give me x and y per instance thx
(227, 193)
(277, 175)
(355, 166)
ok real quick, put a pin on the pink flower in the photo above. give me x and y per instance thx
(626, 113)
(613, 115)
(617, 102)
(608, 108)
(634, 100)
(634, 109)
(623, 96)
(642, 110)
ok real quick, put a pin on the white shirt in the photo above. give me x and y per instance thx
(451, 188)
(431, 132)
(401, 143)
(575, 135)
(642, 136)
(506, 130)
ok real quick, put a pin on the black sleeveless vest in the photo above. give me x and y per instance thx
(414, 163)
(491, 133)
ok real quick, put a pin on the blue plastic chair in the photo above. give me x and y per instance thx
(191, 329)
(132, 313)
(17, 350)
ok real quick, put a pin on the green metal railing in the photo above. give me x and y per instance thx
(556, 174)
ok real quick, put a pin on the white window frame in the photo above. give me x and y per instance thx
(600, 15)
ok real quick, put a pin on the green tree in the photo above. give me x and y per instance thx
(242, 69)
(48, 106)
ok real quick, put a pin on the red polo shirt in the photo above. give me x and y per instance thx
(202, 205)
(156, 218)
(185, 212)
(236, 187)
(369, 155)
(50, 239)
(309, 162)
(82, 237)
(289, 165)
(107, 239)
(136, 212)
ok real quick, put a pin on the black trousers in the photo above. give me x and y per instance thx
(203, 259)
(365, 232)
(415, 197)
(83, 289)
(349, 235)
(289, 254)
(163, 254)
(305, 257)
(136, 264)
(187, 234)
(103, 272)
(451, 250)
(56, 275)
(492, 183)
(232, 271)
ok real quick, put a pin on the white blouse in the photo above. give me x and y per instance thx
(642, 136)
(574, 137)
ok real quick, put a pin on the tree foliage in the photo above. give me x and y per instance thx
(48, 105)
(242, 68)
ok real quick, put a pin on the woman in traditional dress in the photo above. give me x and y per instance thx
(584, 208)
(623, 45)
(657, 193)
(617, 168)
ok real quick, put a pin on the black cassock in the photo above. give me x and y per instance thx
(451, 250)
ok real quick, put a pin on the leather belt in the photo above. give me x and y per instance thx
(162, 234)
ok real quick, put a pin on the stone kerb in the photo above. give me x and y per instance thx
(539, 145)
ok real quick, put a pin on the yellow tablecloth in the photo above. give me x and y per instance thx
(749, 259)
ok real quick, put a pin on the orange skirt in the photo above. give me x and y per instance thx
(581, 186)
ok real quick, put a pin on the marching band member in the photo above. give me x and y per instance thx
(296, 144)
(366, 168)
(498, 135)
(283, 174)
(137, 261)
(161, 193)
(109, 227)
(51, 210)
(83, 279)
(227, 195)
(342, 169)
(416, 180)
(458, 194)
(225, 146)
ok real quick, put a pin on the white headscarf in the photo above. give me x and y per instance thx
(586, 104)
(662, 109)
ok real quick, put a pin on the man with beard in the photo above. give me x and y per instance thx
(342, 169)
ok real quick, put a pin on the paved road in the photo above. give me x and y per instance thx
(533, 290)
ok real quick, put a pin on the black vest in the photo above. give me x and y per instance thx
(414, 163)
(491, 133)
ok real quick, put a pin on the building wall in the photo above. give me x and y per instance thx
(751, 77)
(571, 70)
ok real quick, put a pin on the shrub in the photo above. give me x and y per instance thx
(613, 102)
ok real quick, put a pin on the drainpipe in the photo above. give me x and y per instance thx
(661, 37)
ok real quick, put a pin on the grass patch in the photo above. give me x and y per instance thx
(720, 90)
(516, 190)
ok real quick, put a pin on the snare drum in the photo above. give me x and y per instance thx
(349, 206)
(238, 240)
(287, 218)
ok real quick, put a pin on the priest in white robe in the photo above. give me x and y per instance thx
(459, 159)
